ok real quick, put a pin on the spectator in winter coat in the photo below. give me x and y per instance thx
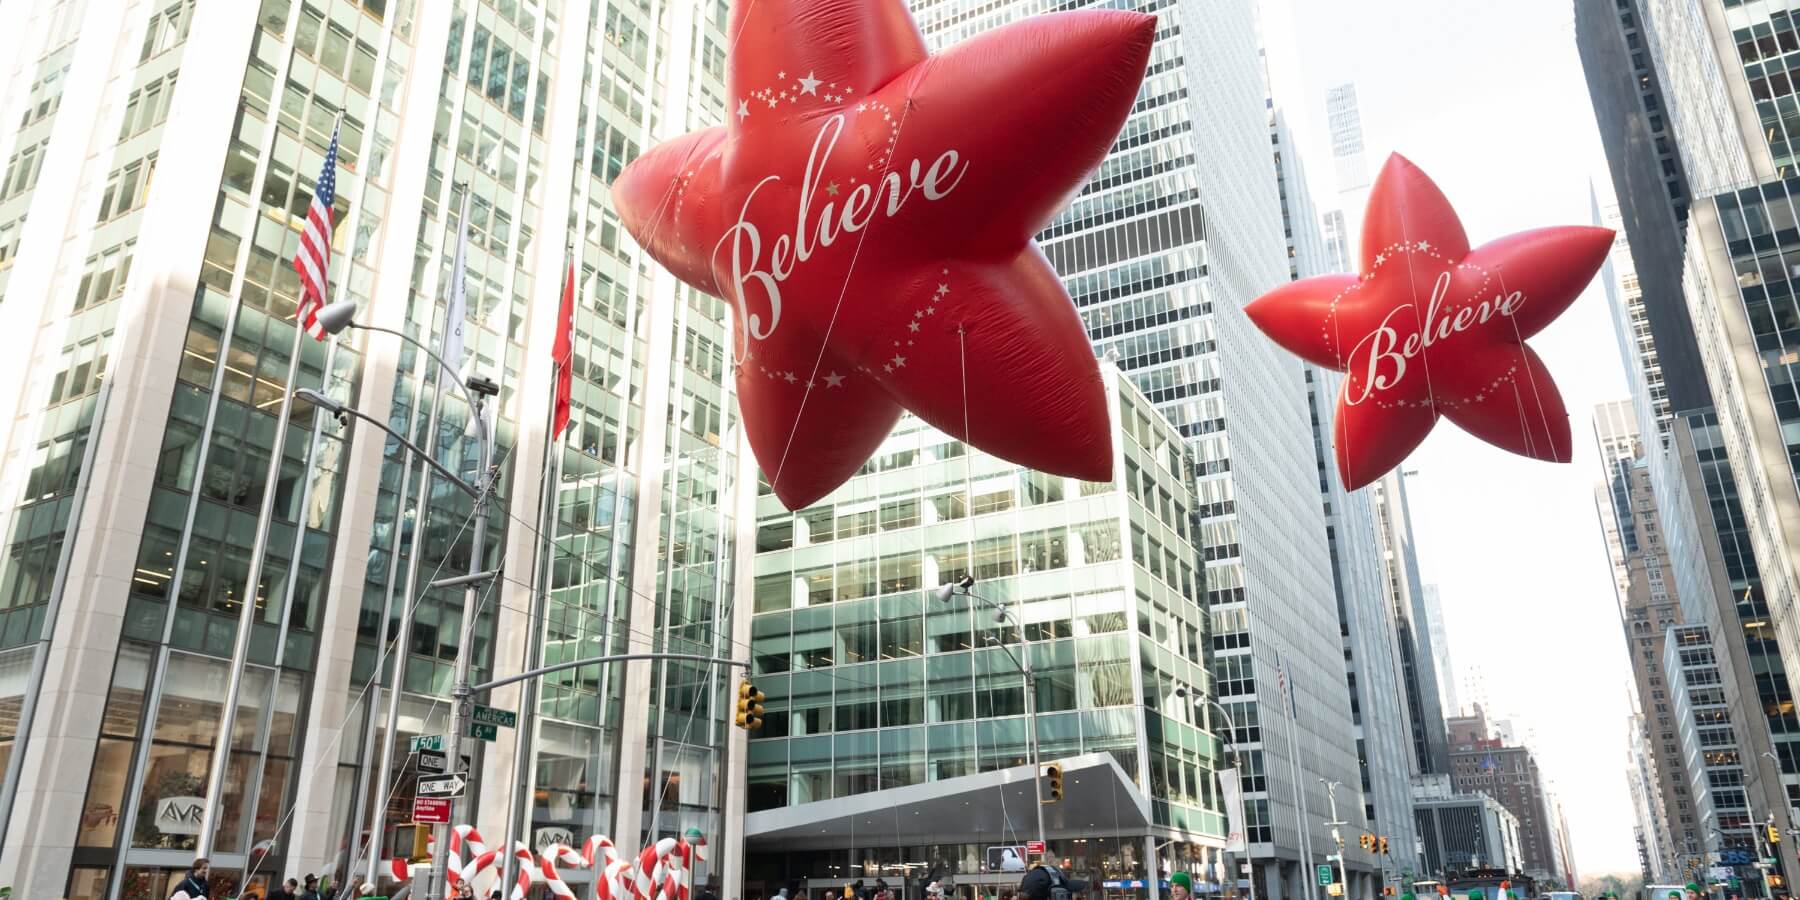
(193, 887)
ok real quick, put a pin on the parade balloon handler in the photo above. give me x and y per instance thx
(1049, 883)
(1181, 886)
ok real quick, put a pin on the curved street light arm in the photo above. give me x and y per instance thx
(451, 373)
(1006, 618)
(325, 403)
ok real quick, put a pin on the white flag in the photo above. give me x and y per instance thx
(1230, 791)
(456, 318)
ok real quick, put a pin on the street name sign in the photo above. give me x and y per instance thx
(488, 715)
(425, 742)
(484, 731)
(1324, 871)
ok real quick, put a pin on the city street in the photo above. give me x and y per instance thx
(899, 449)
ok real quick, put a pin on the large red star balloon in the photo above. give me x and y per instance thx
(1431, 328)
(868, 211)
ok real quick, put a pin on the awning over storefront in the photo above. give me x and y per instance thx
(1098, 800)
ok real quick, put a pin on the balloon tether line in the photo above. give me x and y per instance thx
(824, 341)
(1530, 375)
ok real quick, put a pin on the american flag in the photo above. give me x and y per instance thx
(313, 260)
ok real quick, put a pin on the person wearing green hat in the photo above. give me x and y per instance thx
(1694, 890)
(1476, 894)
(1181, 886)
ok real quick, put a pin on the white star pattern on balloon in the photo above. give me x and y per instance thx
(810, 85)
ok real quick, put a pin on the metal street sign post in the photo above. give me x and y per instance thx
(452, 786)
(431, 811)
(425, 742)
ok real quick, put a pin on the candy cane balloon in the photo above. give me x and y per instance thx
(618, 880)
(603, 858)
(460, 837)
(527, 861)
(643, 884)
(483, 863)
(566, 855)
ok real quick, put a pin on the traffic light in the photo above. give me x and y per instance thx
(1775, 880)
(1774, 834)
(1054, 773)
(1384, 845)
(749, 706)
(1367, 842)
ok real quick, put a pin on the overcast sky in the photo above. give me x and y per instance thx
(1488, 98)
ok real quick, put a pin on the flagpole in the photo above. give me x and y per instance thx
(215, 780)
(403, 637)
(1287, 695)
(549, 496)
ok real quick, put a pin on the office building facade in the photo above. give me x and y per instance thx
(1406, 597)
(1648, 608)
(1653, 71)
(1712, 760)
(898, 740)
(1508, 773)
(1365, 617)
(179, 535)
(1164, 297)
(1461, 831)
(1648, 828)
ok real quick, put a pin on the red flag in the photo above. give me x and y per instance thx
(563, 351)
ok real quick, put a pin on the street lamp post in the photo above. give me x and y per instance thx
(1237, 761)
(334, 319)
(1023, 661)
(1336, 835)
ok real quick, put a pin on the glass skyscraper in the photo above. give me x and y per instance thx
(1693, 102)
(1180, 227)
(896, 742)
(150, 208)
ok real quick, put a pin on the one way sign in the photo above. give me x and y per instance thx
(432, 762)
(442, 787)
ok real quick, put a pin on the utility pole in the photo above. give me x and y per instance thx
(1336, 835)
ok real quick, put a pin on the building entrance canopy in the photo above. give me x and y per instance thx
(1098, 800)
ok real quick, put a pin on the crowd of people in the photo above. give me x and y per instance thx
(198, 886)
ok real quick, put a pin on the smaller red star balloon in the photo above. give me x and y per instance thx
(867, 210)
(1432, 328)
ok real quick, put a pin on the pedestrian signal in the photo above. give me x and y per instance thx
(421, 843)
(749, 706)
